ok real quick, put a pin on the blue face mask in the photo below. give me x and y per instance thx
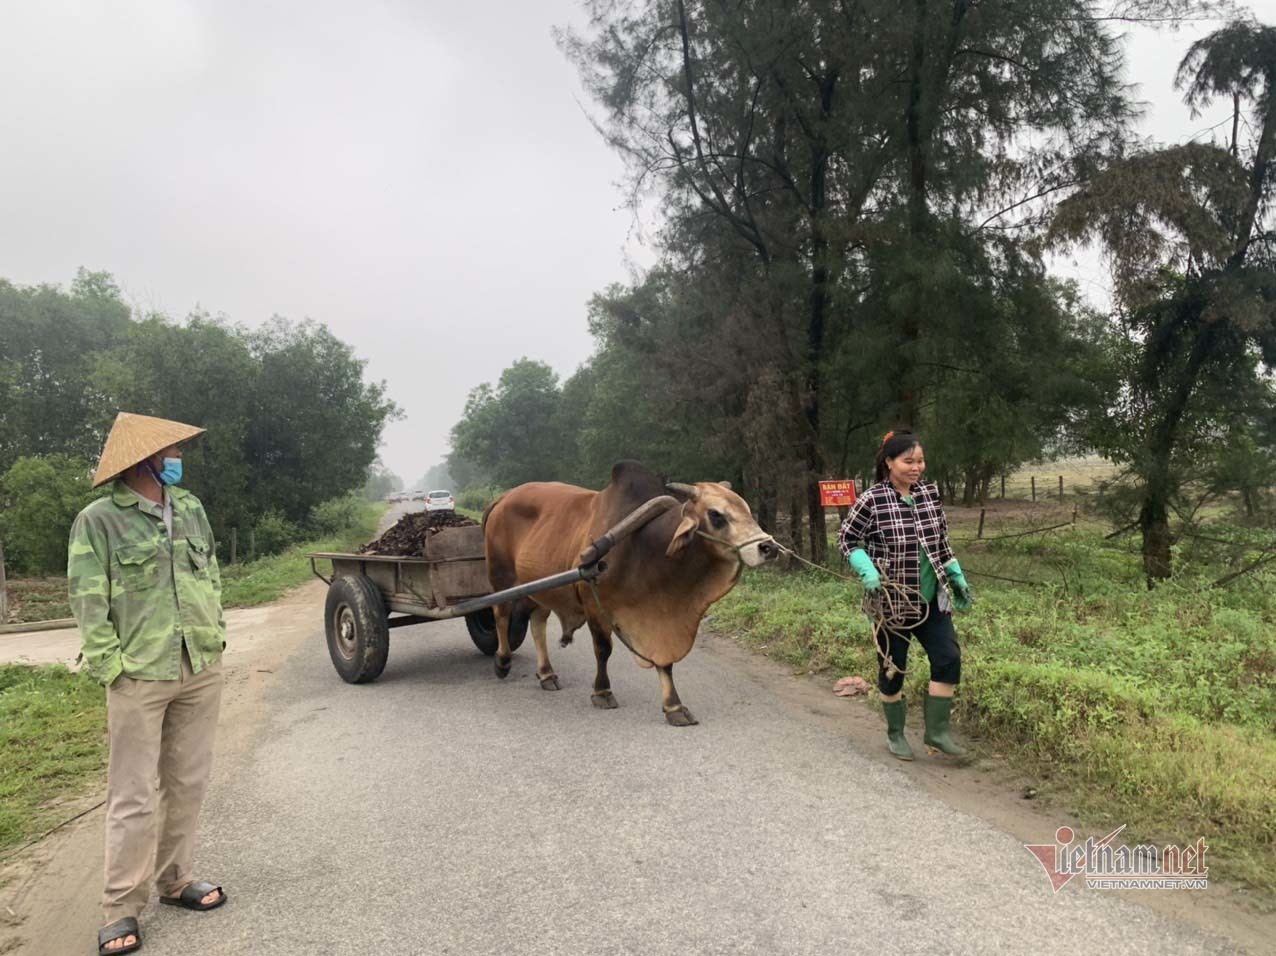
(171, 473)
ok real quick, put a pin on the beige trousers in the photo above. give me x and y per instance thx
(161, 735)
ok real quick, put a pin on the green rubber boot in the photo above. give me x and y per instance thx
(895, 729)
(938, 732)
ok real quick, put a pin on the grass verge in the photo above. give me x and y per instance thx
(37, 599)
(52, 745)
(1154, 709)
(251, 583)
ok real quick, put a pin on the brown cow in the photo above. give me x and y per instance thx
(658, 582)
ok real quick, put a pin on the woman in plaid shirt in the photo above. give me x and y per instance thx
(900, 521)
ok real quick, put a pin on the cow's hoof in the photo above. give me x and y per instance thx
(502, 670)
(549, 682)
(681, 717)
(605, 700)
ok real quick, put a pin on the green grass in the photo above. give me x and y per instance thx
(1156, 709)
(250, 583)
(52, 746)
(37, 599)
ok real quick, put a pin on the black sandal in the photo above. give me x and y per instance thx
(191, 897)
(118, 930)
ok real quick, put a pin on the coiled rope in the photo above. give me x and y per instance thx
(891, 610)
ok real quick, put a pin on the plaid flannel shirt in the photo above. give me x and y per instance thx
(894, 534)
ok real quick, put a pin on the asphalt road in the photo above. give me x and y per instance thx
(440, 810)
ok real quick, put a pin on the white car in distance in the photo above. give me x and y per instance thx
(440, 501)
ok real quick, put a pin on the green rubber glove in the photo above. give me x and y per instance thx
(963, 597)
(862, 564)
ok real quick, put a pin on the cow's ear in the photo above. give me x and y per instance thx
(682, 537)
(725, 484)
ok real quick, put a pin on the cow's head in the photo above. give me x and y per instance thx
(723, 521)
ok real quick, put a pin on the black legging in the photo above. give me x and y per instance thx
(937, 636)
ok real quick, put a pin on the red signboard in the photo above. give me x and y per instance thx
(837, 494)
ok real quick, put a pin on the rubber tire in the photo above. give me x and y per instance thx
(482, 628)
(371, 632)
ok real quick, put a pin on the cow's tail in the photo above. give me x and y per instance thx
(488, 510)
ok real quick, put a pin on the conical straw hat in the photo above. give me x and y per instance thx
(135, 438)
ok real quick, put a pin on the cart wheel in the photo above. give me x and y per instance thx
(482, 628)
(355, 622)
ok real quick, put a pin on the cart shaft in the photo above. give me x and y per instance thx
(513, 594)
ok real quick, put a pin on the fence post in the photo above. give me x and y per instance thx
(252, 544)
(1003, 484)
(234, 544)
(1033, 479)
(1061, 487)
(980, 532)
(4, 590)
(1074, 512)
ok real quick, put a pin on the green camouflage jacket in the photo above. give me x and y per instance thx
(136, 595)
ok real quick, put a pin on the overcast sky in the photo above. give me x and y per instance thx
(419, 175)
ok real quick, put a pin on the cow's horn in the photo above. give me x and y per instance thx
(691, 491)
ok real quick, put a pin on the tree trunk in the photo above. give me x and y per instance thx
(816, 523)
(817, 319)
(970, 486)
(1257, 178)
(795, 519)
(914, 122)
(812, 453)
(1154, 521)
(917, 214)
(985, 482)
(4, 590)
(766, 506)
(928, 72)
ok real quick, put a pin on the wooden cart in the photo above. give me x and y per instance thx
(368, 594)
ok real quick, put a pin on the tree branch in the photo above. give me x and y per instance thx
(1027, 199)
(746, 230)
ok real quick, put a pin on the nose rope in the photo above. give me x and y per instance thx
(737, 548)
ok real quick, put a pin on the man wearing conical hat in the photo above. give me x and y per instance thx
(146, 593)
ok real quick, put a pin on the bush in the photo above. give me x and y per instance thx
(39, 499)
(274, 533)
(257, 582)
(336, 515)
(478, 497)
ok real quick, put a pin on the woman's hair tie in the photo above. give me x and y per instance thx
(887, 437)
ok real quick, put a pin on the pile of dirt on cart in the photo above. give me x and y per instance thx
(408, 536)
